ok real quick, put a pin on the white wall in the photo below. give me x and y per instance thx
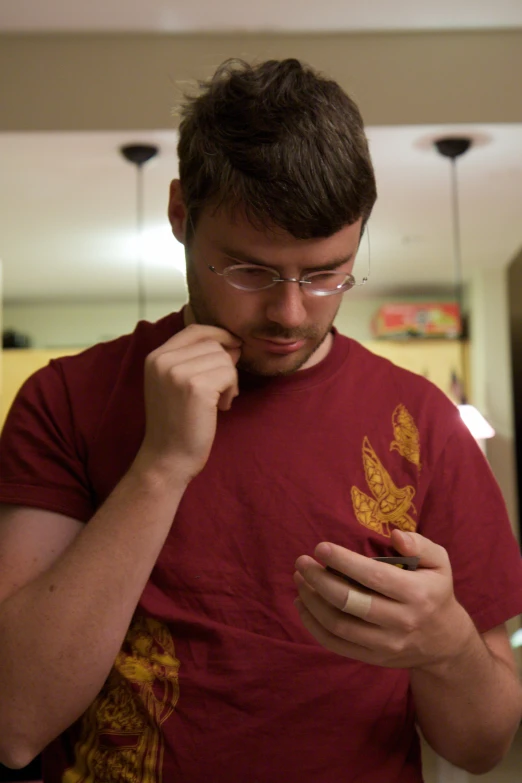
(492, 376)
(493, 389)
(63, 324)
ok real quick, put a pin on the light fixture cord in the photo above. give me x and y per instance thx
(139, 234)
(459, 288)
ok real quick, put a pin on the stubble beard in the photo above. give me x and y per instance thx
(256, 367)
(271, 330)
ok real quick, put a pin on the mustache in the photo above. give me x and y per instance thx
(276, 331)
(273, 331)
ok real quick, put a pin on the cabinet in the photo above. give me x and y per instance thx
(435, 359)
(18, 364)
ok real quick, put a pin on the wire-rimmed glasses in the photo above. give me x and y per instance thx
(251, 277)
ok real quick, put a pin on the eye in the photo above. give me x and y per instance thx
(325, 277)
(251, 271)
(330, 282)
(250, 277)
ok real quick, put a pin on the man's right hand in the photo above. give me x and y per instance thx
(187, 380)
(61, 579)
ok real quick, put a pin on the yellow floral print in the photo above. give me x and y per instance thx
(407, 439)
(121, 739)
(389, 504)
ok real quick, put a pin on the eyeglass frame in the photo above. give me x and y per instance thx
(302, 281)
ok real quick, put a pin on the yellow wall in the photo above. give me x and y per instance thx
(18, 365)
(435, 359)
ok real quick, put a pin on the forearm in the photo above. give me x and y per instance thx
(61, 633)
(469, 708)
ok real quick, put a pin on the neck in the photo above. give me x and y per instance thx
(188, 315)
(321, 353)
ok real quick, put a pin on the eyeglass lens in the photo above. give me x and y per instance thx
(250, 278)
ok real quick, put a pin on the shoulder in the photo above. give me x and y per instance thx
(104, 362)
(398, 406)
(377, 372)
(78, 388)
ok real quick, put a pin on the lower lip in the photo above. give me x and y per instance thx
(281, 348)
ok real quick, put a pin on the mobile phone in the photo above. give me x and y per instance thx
(407, 563)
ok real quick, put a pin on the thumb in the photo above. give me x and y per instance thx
(226, 398)
(414, 545)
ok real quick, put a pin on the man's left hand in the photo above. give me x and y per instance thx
(413, 619)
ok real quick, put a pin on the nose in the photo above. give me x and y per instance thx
(286, 305)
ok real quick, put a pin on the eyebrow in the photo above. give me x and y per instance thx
(246, 258)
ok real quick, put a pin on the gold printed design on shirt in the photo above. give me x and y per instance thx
(121, 737)
(407, 439)
(389, 504)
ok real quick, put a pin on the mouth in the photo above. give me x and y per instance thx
(279, 346)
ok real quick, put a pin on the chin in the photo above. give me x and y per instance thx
(273, 367)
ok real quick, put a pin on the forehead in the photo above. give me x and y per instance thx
(227, 233)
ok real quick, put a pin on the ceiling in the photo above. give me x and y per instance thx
(293, 15)
(67, 201)
(68, 211)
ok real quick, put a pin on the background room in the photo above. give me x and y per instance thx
(78, 83)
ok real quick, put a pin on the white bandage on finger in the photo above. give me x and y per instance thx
(357, 603)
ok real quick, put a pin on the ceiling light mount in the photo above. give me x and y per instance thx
(139, 153)
(453, 146)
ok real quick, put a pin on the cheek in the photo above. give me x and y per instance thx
(245, 315)
(235, 310)
(322, 310)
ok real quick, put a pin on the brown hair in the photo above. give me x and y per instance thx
(280, 142)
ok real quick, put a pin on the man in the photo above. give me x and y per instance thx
(158, 490)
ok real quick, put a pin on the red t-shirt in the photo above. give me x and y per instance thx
(217, 679)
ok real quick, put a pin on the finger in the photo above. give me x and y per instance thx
(337, 621)
(334, 590)
(202, 332)
(381, 611)
(182, 354)
(190, 373)
(217, 384)
(204, 378)
(413, 544)
(187, 368)
(358, 603)
(329, 640)
(226, 399)
(234, 354)
(196, 333)
(381, 577)
(355, 630)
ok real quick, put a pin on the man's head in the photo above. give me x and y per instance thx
(275, 155)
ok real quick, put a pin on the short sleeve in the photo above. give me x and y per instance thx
(464, 511)
(41, 460)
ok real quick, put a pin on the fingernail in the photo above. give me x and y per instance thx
(323, 550)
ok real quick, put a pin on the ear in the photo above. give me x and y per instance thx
(177, 211)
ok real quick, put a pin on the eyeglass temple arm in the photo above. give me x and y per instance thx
(367, 275)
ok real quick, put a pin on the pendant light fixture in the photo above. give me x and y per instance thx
(452, 147)
(139, 154)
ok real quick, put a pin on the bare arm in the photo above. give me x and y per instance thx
(61, 632)
(68, 592)
(470, 708)
(465, 686)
